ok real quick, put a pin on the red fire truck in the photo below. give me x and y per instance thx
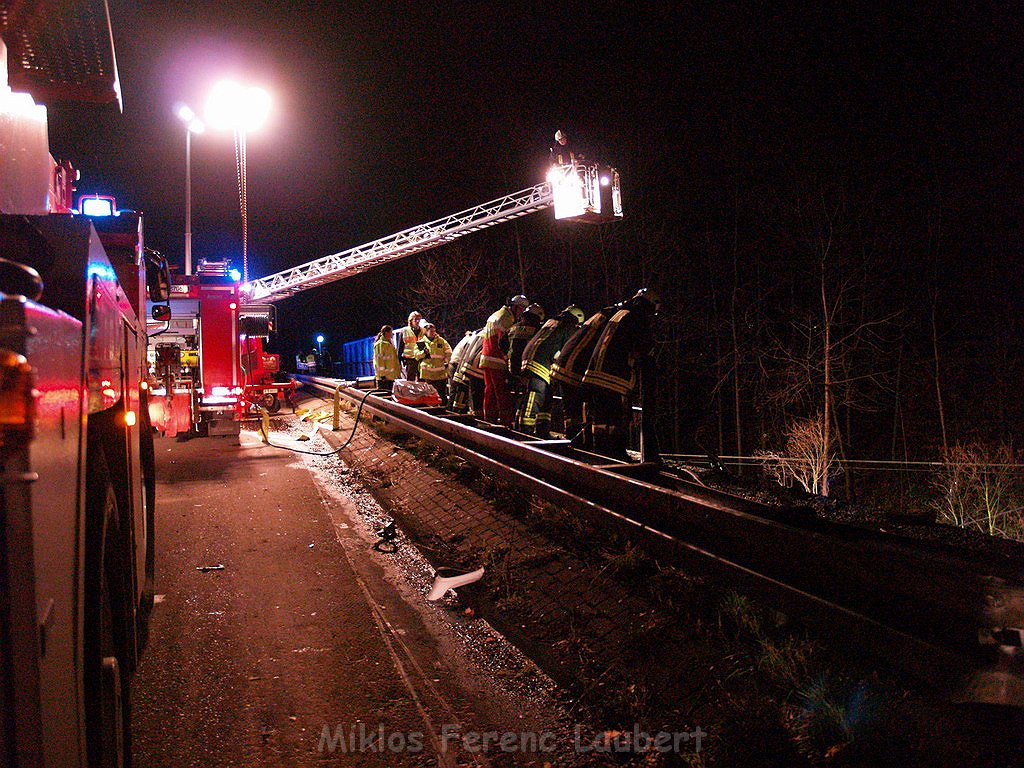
(209, 368)
(78, 489)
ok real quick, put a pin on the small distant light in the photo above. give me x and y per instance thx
(320, 339)
(98, 206)
(130, 418)
(109, 393)
(605, 181)
(143, 385)
(232, 306)
(235, 275)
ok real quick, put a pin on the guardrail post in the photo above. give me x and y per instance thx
(337, 407)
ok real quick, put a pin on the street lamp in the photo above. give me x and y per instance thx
(240, 109)
(320, 344)
(192, 125)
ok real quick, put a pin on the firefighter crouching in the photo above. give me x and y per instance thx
(613, 375)
(498, 406)
(385, 360)
(534, 413)
(435, 353)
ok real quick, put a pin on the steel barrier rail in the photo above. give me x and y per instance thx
(945, 619)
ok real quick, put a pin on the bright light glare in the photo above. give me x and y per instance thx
(235, 275)
(236, 107)
(320, 339)
(97, 206)
(605, 181)
(189, 118)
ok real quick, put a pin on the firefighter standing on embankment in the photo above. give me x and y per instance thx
(613, 374)
(498, 406)
(568, 368)
(534, 413)
(385, 360)
(435, 354)
(406, 340)
(519, 335)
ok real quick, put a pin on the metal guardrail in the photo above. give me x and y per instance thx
(944, 619)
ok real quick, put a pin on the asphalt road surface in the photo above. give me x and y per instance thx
(281, 638)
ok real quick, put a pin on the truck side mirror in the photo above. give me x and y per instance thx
(158, 275)
(161, 313)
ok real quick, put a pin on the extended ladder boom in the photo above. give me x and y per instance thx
(405, 243)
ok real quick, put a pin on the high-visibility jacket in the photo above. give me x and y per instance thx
(571, 362)
(542, 348)
(434, 360)
(494, 354)
(385, 360)
(470, 365)
(460, 351)
(626, 338)
(407, 338)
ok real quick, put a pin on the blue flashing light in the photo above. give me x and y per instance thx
(100, 270)
(235, 275)
(98, 205)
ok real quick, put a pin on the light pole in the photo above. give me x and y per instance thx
(320, 345)
(192, 125)
(241, 109)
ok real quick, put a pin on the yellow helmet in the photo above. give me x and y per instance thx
(576, 312)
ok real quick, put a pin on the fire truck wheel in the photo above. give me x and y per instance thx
(107, 613)
(271, 402)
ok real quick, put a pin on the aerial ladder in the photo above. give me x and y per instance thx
(577, 192)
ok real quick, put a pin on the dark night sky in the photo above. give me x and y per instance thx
(391, 114)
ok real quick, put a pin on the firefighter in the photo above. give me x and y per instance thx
(519, 335)
(534, 413)
(385, 359)
(434, 361)
(498, 406)
(468, 393)
(407, 343)
(613, 378)
(568, 368)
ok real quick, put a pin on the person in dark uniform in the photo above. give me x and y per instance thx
(534, 413)
(612, 378)
(568, 368)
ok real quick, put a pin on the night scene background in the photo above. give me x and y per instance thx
(803, 186)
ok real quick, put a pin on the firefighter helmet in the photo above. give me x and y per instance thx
(576, 312)
(649, 296)
(536, 309)
(518, 302)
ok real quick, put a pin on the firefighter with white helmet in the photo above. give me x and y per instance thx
(534, 413)
(498, 406)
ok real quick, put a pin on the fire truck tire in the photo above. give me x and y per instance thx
(108, 613)
(271, 402)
